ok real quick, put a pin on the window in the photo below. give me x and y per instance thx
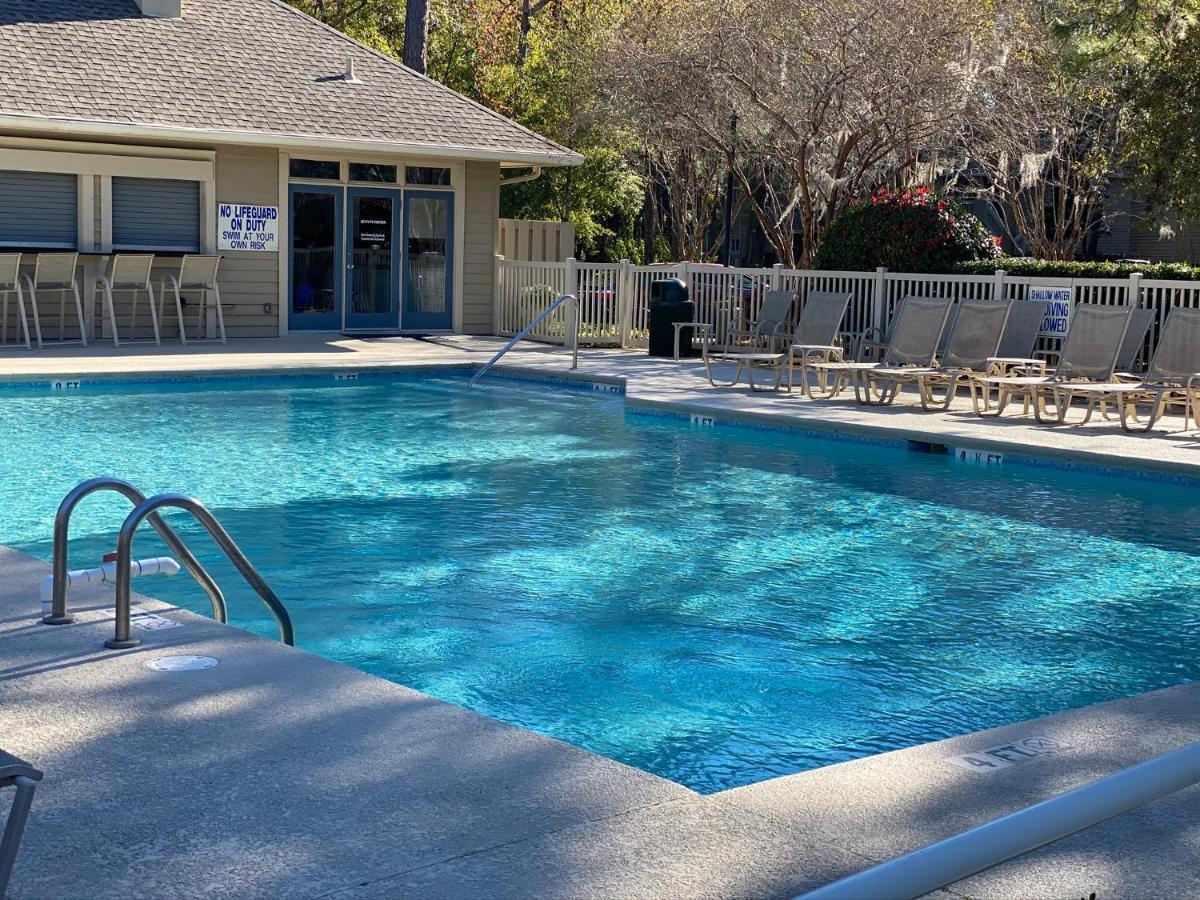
(426, 175)
(38, 209)
(315, 168)
(372, 172)
(155, 214)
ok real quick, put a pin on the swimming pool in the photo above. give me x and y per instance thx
(714, 605)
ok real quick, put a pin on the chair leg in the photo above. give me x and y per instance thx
(110, 311)
(37, 321)
(220, 313)
(179, 313)
(153, 314)
(79, 312)
(14, 829)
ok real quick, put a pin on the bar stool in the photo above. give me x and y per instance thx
(129, 273)
(56, 272)
(196, 273)
(10, 283)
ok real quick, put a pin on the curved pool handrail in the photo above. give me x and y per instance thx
(147, 508)
(62, 523)
(574, 335)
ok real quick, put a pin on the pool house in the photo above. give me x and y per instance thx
(325, 186)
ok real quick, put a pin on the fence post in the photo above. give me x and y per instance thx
(571, 279)
(777, 277)
(879, 301)
(998, 284)
(1134, 292)
(498, 296)
(625, 301)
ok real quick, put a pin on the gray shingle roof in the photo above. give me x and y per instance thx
(254, 67)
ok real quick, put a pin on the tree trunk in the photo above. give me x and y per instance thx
(416, 34)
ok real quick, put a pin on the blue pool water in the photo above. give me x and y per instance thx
(716, 606)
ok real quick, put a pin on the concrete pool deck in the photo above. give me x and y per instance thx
(280, 774)
(649, 382)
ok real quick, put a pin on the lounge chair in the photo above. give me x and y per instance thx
(915, 337)
(1134, 343)
(973, 343)
(754, 343)
(1020, 337)
(16, 773)
(1173, 379)
(816, 332)
(1089, 354)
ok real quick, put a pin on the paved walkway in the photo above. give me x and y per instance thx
(280, 774)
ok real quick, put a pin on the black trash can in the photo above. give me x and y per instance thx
(669, 304)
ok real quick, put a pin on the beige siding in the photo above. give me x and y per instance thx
(249, 279)
(481, 204)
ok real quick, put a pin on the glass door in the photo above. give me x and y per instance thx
(428, 261)
(373, 265)
(315, 258)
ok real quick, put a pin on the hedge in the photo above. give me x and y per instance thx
(1051, 269)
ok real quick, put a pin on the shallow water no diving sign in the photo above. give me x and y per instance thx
(1006, 755)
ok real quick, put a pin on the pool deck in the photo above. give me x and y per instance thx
(280, 774)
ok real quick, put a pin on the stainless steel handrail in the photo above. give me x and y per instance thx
(121, 639)
(574, 335)
(62, 522)
(955, 858)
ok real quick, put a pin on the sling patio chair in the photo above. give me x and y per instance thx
(1134, 343)
(915, 337)
(1089, 354)
(758, 343)
(1172, 379)
(974, 340)
(1015, 355)
(814, 340)
(15, 772)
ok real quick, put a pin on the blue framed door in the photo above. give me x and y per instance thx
(315, 229)
(428, 261)
(373, 260)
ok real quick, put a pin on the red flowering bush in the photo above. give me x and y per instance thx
(907, 231)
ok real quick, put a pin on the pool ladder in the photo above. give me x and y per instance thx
(146, 509)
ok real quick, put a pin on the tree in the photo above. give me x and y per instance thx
(1044, 142)
(416, 34)
(833, 96)
(1159, 129)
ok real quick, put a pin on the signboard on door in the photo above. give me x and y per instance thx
(1057, 321)
(373, 223)
(241, 226)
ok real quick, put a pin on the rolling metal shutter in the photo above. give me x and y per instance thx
(155, 214)
(38, 209)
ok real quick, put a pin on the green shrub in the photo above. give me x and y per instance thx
(1051, 269)
(906, 231)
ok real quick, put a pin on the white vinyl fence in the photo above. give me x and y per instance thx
(614, 297)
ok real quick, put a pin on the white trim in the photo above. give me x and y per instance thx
(106, 230)
(93, 128)
(85, 213)
(130, 165)
(285, 248)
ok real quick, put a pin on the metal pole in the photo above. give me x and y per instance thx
(121, 638)
(62, 522)
(930, 868)
(727, 244)
(558, 301)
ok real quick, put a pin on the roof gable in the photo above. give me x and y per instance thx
(254, 67)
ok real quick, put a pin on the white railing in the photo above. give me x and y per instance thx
(926, 870)
(614, 297)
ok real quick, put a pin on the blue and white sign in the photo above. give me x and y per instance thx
(241, 226)
(1058, 308)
